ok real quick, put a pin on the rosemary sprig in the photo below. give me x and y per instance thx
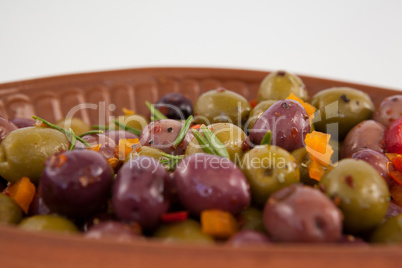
(203, 142)
(73, 140)
(183, 131)
(266, 140)
(216, 144)
(127, 128)
(89, 132)
(99, 127)
(155, 113)
(69, 134)
(171, 161)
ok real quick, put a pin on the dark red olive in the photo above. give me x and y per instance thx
(175, 106)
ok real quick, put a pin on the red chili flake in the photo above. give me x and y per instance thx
(156, 129)
(294, 132)
(253, 103)
(221, 89)
(175, 216)
(58, 161)
(396, 176)
(337, 201)
(389, 111)
(278, 114)
(349, 181)
(397, 162)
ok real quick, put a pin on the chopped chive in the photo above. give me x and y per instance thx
(155, 113)
(183, 131)
(203, 142)
(100, 127)
(127, 128)
(83, 141)
(73, 140)
(171, 161)
(266, 140)
(90, 132)
(170, 156)
(216, 144)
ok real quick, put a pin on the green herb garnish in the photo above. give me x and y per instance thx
(266, 140)
(203, 142)
(171, 161)
(100, 127)
(216, 144)
(89, 132)
(155, 113)
(127, 128)
(183, 131)
(73, 140)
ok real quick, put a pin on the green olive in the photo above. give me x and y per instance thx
(10, 212)
(77, 125)
(134, 121)
(257, 111)
(145, 151)
(231, 136)
(48, 223)
(340, 109)
(252, 220)
(278, 86)
(389, 232)
(24, 151)
(359, 191)
(268, 169)
(303, 160)
(221, 106)
(185, 231)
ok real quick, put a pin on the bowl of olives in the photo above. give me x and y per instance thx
(199, 167)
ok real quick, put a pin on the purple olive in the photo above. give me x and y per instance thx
(162, 134)
(389, 110)
(207, 181)
(249, 237)
(393, 210)
(139, 192)
(288, 122)
(23, 122)
(377, 160)
(6, 126)
(368, 134)
(76, 183)
(302, 214)
(175, 106)
(108, 146)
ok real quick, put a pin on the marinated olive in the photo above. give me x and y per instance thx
(278, 86)
(221, 106)
(112, 230)
(48, 223)
(175, 106)
(389, 232)
(23, 122)
(24, 151)
(76, 183)
(268, 169)
(340, 109)
(184, 231)
(288, 122)
(365, 135)
(10, 212)
(107, 145)
(162, 134)
(389, 110)
(139, 192)
(377, 160)
(303, 160)
(359, 191)
(231, 136)
(145, 151)
(76, 124)
(248, 237)
(207, 181)
(257, 111)
(134, 121)
(302, 214)
(6, 126)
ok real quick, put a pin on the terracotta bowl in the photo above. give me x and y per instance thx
(52, 98)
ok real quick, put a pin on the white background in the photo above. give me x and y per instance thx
(358, 41)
